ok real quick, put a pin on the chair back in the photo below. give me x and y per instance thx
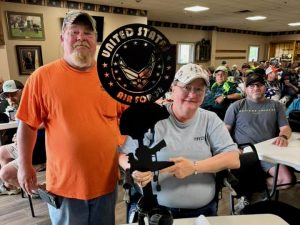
(250, 176)
(39, 150)
(294, 120)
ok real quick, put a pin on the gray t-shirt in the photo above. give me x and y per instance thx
(205, 135)
(253, 122)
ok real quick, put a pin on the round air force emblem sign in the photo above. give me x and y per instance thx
(135, 64)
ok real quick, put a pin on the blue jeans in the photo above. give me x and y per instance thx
(97, 211)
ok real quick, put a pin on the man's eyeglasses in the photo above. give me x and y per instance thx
(10, 94)
(258, 85)
(190, 89)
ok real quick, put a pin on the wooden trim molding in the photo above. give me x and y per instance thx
(83, 6)
(230, 57)
(218, 29)
(230, 51)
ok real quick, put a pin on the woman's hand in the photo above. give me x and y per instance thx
(142, 178)
(183, 167)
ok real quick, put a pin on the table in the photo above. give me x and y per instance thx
(9, 125)
(265, 219)
(5, 126)
(289, 156)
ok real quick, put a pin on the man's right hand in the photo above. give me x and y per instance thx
(27, 179)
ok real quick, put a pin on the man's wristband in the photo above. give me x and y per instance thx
(284, 136)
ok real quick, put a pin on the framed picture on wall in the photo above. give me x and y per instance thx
(29, 58)
(1, 33)
(26, 26)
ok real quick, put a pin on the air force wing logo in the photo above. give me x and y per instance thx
(136, 64)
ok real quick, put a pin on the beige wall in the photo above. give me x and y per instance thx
(225, 41)
(234, 41)
(4, 71)
(278, 38)
(219, 41)
(176, 35)
(51, 48)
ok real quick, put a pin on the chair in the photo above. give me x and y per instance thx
(294, 120)
(252, 179)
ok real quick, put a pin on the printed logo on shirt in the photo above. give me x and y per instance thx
(136, 64)
(257, 110)
(199, 138)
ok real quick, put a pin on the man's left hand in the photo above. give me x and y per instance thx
(280, 141)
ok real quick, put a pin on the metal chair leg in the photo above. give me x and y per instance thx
(31, 206)
(30, 202)
(22, 193)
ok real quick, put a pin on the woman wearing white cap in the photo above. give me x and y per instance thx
(196, 141)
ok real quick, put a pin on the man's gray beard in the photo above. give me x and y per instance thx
(81, 60)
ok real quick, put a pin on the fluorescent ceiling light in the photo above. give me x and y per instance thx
(196, 8)
(256, 18)
(294, 24)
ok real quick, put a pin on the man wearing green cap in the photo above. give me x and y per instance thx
(221, 93)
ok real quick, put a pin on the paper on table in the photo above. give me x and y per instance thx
(201, 220)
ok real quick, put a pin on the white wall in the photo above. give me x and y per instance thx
(51, 48)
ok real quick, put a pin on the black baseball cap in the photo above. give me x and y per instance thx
(254, 77)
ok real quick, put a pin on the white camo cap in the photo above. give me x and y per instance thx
(190, 72)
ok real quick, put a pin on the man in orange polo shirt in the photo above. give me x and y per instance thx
(81, 133)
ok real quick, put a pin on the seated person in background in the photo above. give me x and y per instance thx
(245, 67)
(260, 71)
(256, 119)
(274, 88)
(295, 105)
(235, 73)
(290, 81)
(12, 91)
(210, 71)
(197, 142)
(221, 94)
(9, 163)
(241, 85)
(3, 102)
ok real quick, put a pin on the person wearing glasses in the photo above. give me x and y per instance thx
(256, 119)
(197, 141)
